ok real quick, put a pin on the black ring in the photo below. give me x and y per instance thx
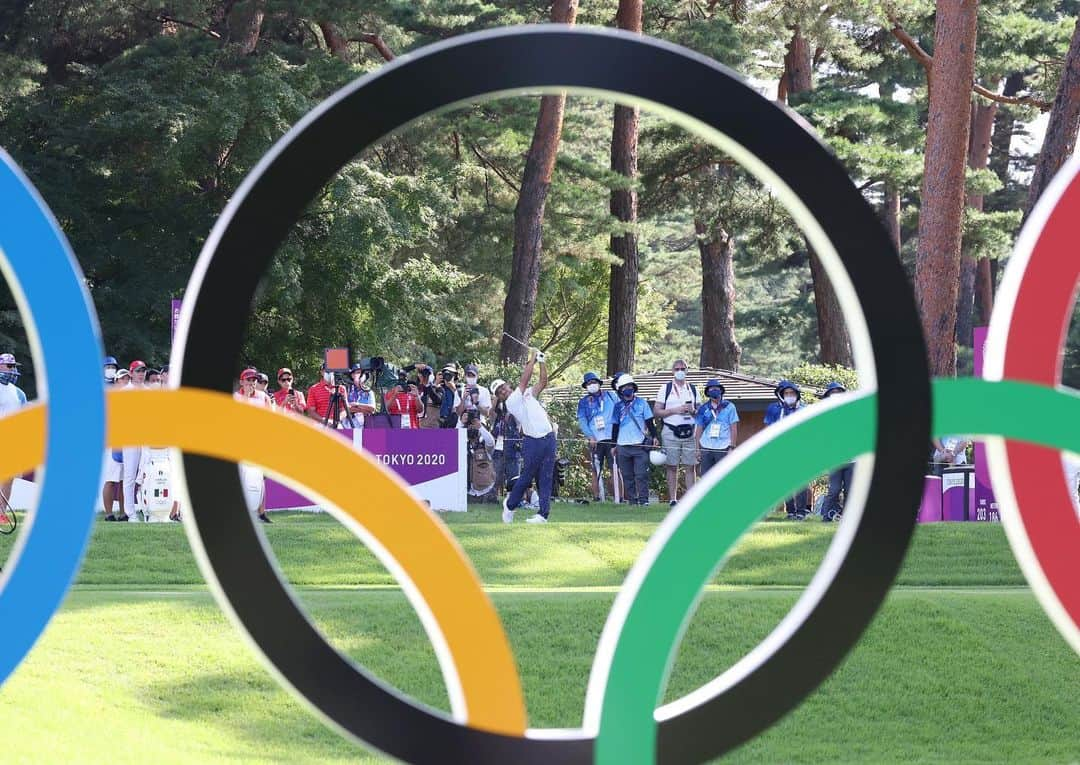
(280, 188)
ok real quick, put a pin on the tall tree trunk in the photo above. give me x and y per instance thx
(719, 348)
(1001, 140)
(529, 213)
(622, 294)
(890, 214)
(984, 292)
(335, 41)
(981, 129)
(247, 25)
(798, 74)
(219, 16)
(798, 77)
(999, 163)
(1061, 129)
(937, 261)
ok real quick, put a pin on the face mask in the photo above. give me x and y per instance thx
(7, 378)
(110, 373)
(470, 380)
(790, 400)
(328, 377)
(715, 394)
(627, 393)
(593, 388)
(680, 375)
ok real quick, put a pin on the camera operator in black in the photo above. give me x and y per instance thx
(430, 395)
(474, 397)
(450, 399)
(481, 470)
(508, 442)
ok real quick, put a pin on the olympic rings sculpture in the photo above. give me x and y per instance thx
(489, 721)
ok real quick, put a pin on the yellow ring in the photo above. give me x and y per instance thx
(215, 425)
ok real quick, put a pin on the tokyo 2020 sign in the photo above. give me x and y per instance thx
(886, 426)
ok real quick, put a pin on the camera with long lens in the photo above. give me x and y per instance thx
(382, 374)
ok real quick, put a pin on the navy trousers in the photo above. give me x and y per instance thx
(538, 455)
(634, 466)
(839, 480)
(799, 503)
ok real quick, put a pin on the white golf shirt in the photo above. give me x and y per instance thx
(529, 413)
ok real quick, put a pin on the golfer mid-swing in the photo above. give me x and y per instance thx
(538, 452)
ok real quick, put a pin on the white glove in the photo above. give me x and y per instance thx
(540, 357)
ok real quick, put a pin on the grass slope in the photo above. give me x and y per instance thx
(590, 546)
(141, 666)
(943, 677)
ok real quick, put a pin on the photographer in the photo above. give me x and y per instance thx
(403, 403)
(450, 398)
(677, 403)
(430, 396)
(286, 397)
(474, 398)
(508, 441)
(481, 469)
(360, 399)
(319, 396)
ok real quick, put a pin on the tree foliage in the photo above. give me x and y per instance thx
(138, 123)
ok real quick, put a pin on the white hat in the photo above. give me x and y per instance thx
(623, 380)
(657, 457)
(496, 385)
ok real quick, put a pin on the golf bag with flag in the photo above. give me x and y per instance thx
(156, 496)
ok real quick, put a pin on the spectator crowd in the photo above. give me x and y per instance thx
(511, 441)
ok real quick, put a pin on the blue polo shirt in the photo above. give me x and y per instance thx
(358, 395)
(724, 417)
(591, 407)
(778, 410)
(631, 418)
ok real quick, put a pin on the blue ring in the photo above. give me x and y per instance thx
(63, 330)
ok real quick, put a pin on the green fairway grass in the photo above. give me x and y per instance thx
(140, 665)
(129, 677)
(584, 546)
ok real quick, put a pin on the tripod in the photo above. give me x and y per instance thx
(333, 411)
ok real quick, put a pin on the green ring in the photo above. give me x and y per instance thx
(668, 590)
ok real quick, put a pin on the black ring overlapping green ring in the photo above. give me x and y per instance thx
(288, 179)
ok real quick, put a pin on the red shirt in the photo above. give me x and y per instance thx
(318, 398)
(401, 403)
(300, 403)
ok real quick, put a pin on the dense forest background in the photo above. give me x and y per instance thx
(605, 235)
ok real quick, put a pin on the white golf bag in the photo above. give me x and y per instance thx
(156, 495)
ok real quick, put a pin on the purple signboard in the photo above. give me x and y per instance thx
(431, 461)
(985, 508)
(930, 509)
(175, 317)
(956, 493)
(418, 456)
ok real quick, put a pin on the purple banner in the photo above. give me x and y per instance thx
(930, 509)
(956, 494)
(418, 456)
(985, 507)
(175, 317)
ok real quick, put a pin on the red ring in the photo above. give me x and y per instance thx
(1034, 341)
